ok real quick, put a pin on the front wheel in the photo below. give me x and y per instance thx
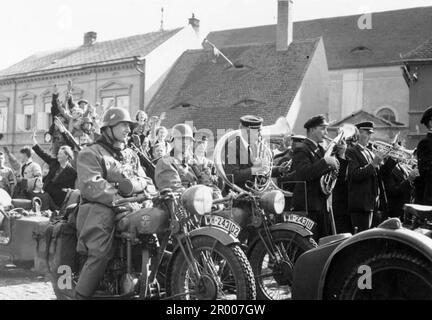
(225, 273)
(274, 277)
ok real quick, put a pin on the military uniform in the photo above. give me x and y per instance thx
(100, 168)
(174, 173)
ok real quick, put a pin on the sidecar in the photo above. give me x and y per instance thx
(387, 262)
(17, 230)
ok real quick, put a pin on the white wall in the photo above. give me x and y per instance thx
(160, 60)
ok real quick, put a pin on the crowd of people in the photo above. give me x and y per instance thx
(113, 156)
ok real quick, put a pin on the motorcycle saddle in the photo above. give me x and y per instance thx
(420, 211)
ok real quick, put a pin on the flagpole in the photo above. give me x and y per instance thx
(219, 52)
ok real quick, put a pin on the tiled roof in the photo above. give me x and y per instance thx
(363, 115)
(214, 95)
(421, 53)
(393, 33)
(138, 45)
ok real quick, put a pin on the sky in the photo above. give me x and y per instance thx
(28, 27)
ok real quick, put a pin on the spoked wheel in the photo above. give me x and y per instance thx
(394, 276)
(225, 273)
(274, 279)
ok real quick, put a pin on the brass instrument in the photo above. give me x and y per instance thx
(263, 182)
(394, 151)
(328, 181)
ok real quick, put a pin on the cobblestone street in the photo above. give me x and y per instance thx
(20, 283)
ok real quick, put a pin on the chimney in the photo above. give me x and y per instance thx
(194, 22)
(90, 38)
(284, 32)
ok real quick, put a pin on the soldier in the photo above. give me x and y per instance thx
(100, 167)
(174, 170)
(310, 165)
(364, 182)
(424, 156)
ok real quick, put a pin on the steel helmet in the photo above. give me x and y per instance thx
(114, 116)
(87, 120)
(182, 130)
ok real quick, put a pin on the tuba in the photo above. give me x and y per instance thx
(262, 183)
(328, 181)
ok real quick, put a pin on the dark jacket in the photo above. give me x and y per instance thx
(238, 162)
(66, 179)
(340, 191)
(363, 182)
(424, 156)
(398, 188)
(309, 165)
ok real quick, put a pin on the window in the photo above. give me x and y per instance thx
(43, 119)
(28, 116)
(3, 114)
(115, 94)
(387, 114)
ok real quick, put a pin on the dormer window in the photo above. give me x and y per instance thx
(184, 105)
(361, 49)
(247, 103)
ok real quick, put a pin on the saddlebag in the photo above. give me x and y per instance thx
(56, 243)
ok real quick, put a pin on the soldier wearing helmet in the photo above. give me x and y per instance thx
(100, 168)
(174, 170)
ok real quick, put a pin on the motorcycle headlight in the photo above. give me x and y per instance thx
(198, 199)
(273, 202)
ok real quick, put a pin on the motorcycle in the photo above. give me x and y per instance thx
(273, 240)
(392, 261)
(205, 263)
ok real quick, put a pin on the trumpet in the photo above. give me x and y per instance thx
(397, 153)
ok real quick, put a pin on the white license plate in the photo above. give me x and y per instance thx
(222, 223)
(305, 222)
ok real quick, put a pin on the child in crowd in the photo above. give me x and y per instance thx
(47, 201)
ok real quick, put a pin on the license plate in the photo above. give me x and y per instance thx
(305, 222)
(222, 223)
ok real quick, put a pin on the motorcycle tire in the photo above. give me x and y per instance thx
(394, 275)
(296, 246)
(243, 279)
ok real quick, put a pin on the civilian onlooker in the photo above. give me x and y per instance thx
(61, 174)
(47, 202)
(161, 135)
(26, 170)
(159, 151)
(7, 177)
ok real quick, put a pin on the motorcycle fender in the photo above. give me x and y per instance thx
(223, 237)
(284, 226)
(294, 227)
(411, 239)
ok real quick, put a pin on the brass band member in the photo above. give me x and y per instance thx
(241, 163)
(310, 165)
(363, 180)
(424, 156)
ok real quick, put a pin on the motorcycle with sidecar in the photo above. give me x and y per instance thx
(205, 262)
(392, 261)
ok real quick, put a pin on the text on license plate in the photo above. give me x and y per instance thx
(222, 223)
(305, 222)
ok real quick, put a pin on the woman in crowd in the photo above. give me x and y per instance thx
(61, 174)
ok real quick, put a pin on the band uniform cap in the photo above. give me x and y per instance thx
(82, 101)
(298, 138)
(316, 121)
(367, 125)
(251, 121)
(427, 115)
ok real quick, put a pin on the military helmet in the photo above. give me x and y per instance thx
(87, 120)
(182, 130)
(114, 116)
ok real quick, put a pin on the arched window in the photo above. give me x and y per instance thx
(387, 114)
